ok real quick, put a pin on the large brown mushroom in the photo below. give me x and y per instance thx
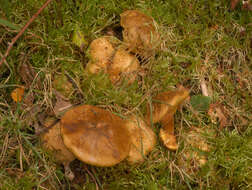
(95, 136)
(163, 109)
(139, 32)
(143, 139)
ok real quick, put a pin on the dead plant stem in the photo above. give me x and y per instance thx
(13, 41)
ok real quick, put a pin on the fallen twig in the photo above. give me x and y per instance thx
(22, 30)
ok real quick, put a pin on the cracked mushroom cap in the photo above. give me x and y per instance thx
(95, 136)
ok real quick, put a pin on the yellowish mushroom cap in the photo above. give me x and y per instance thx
(53, 141)
(123, 63)
(95, 136)
(101, 51)
(143, 139)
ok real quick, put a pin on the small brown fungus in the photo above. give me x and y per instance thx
(163, 109)
(139, 32)
(123, 64)
(101, 51)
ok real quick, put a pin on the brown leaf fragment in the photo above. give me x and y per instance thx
(215, 112)
(28, 74)
(17, 94)
(61, 104)
(234, 4)
(28, 99)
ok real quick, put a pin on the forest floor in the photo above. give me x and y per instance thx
(206, 47)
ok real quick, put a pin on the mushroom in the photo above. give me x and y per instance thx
(95, 136)
(101, 51)
(140, 32)
(123, 63)
(143, 139)
(163, 109)
(53, 141)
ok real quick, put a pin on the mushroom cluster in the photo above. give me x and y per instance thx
(97, 136)
(119, 59)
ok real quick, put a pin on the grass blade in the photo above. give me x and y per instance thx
(8, 24)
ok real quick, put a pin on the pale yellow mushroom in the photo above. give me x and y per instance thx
(143, 139)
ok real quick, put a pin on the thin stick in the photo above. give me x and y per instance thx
(23, 30)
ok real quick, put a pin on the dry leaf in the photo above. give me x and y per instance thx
(215, 112)
(18, 94)
(28, 74)
(61, 104)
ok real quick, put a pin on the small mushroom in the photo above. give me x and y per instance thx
(140, 32)
(163, 109)
(143, 139)
(101, 52)
(95, 136)
(53, 141)
(123, 64)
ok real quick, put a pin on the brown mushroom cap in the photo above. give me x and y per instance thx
(166, 103)
(123, 63)
(101, 51)
(95, 136)
(143, 139)
(139, 32)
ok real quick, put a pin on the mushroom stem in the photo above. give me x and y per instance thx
(164, 107)
(167, 132)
